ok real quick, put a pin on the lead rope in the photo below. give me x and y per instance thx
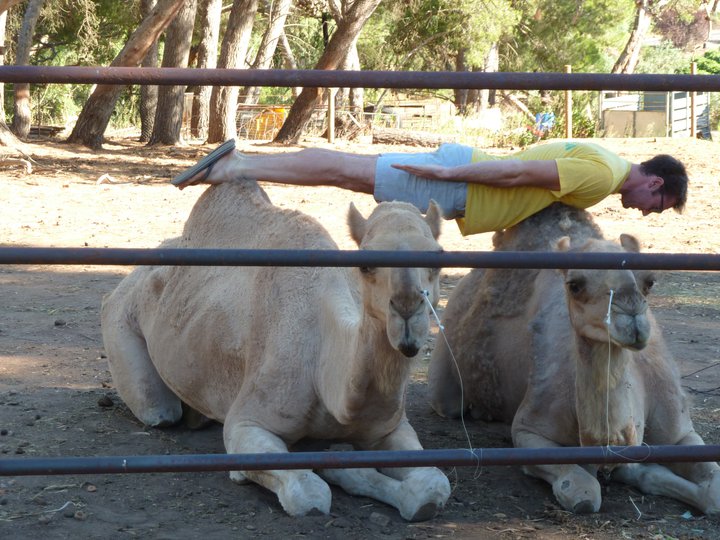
(426, 296)
(608, 321)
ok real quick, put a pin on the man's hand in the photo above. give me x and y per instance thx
(433, 172)
(498, 173)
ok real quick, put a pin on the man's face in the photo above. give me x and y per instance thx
(648, 197)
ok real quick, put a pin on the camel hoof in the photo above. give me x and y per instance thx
(239, 478)
(578, 492)
(425, 494)
(584, 507)
(161, 417)
(305, 493)
(425, 512)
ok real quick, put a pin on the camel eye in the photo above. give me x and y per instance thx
(648, 284)
(576, 286)
(367, 270)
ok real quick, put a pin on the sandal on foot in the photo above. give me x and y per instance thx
(183, 179)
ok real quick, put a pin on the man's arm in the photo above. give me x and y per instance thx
(500, 173)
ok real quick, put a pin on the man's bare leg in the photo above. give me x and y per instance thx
(308, 167)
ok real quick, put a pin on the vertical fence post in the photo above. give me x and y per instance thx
(568, 108)
(693, 96)
(331, 115)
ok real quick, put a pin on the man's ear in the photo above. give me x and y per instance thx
(656, 182)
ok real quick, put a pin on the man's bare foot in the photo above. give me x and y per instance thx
(223, 164)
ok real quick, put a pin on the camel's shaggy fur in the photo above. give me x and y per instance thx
(284, 354)
(536, 348)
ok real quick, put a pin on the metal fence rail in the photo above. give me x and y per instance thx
(357, 79)
(340, 258)
(366, 79)
(478, 457)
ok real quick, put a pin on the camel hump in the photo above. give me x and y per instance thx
(541, 231)
(241, 215)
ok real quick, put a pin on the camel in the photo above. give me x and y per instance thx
(287, 354)
(542, 350)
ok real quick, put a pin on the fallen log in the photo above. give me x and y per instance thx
(408, 138)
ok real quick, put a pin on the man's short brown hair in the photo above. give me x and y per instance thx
(673, 173)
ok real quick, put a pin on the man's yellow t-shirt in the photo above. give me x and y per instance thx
(588, 173)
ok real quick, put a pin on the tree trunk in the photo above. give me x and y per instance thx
(289, 60)
(3, 24)
(6, 136)
(628, 60)
(350, 98)
(95, 116)
(22, 116)
(277, 13)
(486, 97)
(337, 48)
(148, 92)
(461, 94)
(5, 5)
(223, 103)
(209, 12)
(346, 98)
(171, 99)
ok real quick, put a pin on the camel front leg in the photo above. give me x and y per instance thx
(696, 484)
(134, 374)
(576, 488)
(417, 492)
(300, 492)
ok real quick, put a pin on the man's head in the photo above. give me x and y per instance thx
(674, 179)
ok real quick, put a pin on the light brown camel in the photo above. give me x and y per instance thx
(284, 354)
(534, 349)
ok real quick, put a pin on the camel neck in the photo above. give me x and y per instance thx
(603, 400)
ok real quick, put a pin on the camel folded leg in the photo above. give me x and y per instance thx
(135, 377)
(417, 492)
(576, 488)
(696, 484)
(300, 492)
(404, 495)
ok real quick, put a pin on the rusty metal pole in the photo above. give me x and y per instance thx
(476, 457)
(360, 79)
(331, 115)
(568, 108)
(693, 97)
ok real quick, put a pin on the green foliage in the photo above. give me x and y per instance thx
(72, 32)
(305, 35)
(663, 58)
(432, 34)
(587, 35)
(709, 63)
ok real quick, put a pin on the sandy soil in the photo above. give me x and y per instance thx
(57, 397)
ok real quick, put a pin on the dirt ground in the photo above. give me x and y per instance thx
(57, 397)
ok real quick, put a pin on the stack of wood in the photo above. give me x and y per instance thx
(408, 138)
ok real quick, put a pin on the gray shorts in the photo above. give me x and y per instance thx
(395, 185)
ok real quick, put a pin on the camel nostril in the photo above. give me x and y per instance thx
(408, 349)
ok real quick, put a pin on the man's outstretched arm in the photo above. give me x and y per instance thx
(500, 173)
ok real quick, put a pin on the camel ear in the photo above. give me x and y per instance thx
(433, 217)
(563, 244)
(630, 243)
(357, 224)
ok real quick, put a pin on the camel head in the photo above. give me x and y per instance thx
(395, 295)
(588, 296)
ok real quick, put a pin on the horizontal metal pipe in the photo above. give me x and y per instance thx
(358, 459)
(358, 79)
(337, 258)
